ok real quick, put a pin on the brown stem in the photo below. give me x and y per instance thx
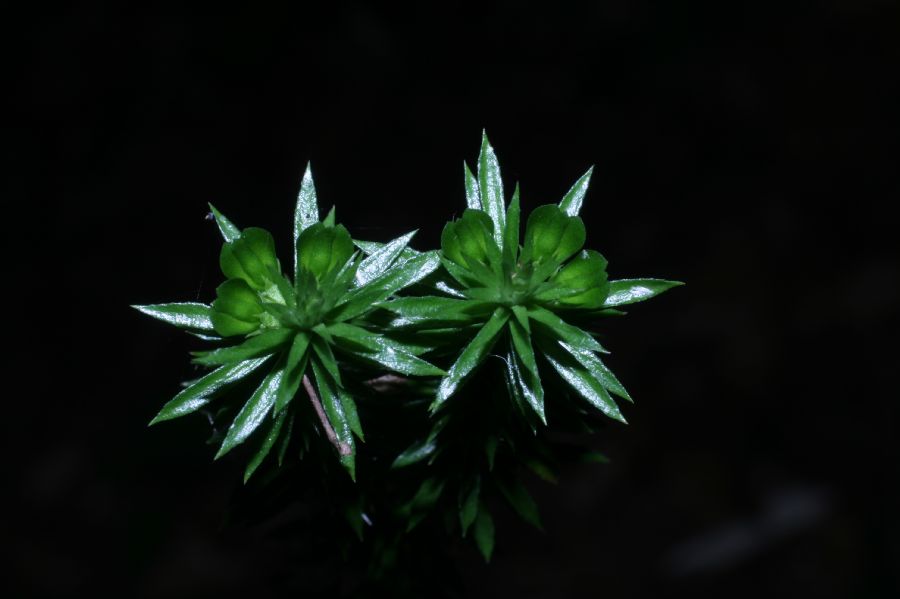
(343, 448)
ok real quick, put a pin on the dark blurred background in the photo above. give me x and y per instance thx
(749, 149)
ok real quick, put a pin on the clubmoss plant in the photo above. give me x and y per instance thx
(409, 333)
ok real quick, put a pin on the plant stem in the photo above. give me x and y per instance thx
(343, 448)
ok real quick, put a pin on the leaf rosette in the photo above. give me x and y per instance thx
(300, 330)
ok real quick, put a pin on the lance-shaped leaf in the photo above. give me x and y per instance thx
(468, 503)
(294, 369)
(511, 232)
(267, 444)
(472, 356)
(201, 392)
(484, 532)
(526, 370)
(423, 448)
(259, 345)
(491, 187)
(350, 412)
(519, 498)
(334, 411)
(435, 311)
(363, 299)
(630, 291)
(370, 247)
(557, 328)
(429, 492)
(187, 315)
(571, 202)
(254, 411)
(228, 230)
(592, 362)
(326, 357)
(378, 261)
(306, 212)
(581, 380)
(473, 193)
(381, 350)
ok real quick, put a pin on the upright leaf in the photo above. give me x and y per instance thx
(473, 194)
(491, 187)
(294, 369)
(571, 202)
(228, 230)
(306, 212)
(511, 232)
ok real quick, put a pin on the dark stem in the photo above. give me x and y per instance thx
(343, 448)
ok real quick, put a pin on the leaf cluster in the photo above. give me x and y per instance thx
(351, 318)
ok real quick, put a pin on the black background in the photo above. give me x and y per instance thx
(748, 149)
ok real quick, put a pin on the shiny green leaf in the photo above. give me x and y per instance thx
(491, 186)
(334, 411)
(254, 411)
(528, 377)
(434, 311)
(571, 202)
(263, 344)
(187, 315)
(200, 393)
(557, 328)
(326, 358)
(582, 380)
(328, 221)
(364, 299)
(376, 348)
(306, 212)
(473, 194)
(630, 291)
(484, 532)
(294, 369)
(511, 232)
(472, 356)
(228, 230)
(350, 411)
(264, 449)
(595, 366)
(378, 261)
